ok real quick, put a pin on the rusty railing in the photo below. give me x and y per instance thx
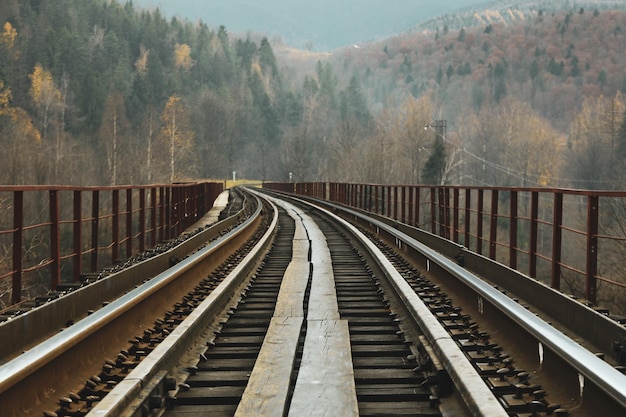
(572, 240)
(55, 234)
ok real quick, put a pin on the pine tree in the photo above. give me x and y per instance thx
(436, 164)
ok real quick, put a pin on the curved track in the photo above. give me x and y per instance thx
(298, 312)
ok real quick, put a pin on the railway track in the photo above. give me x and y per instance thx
(307, 319)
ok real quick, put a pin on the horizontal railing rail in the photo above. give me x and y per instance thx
(56, 234)
(574, 240)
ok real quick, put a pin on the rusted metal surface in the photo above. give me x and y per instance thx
(559, 355)
(509, 383)
(115, 232)
(528, 231)
(82, 346)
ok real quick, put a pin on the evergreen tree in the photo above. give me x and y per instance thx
(405, 67)
(267, 60)
(433, 173)
(353, 104)
(245, 52)
(449, 71)
(575, 70)
(534, 69)
(461, 37)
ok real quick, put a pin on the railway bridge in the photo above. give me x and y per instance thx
(306, 299)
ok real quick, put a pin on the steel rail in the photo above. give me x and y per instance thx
(32, 326)
(30, 361)
(164, 355)
(478, 398)
(586, 363)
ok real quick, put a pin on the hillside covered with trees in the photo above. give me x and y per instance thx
(101, 92)
(536, 99)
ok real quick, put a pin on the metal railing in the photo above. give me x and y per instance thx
(55, 234)
(572, 240)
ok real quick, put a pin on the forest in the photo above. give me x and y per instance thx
(99, 92)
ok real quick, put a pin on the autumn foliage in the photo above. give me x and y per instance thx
(96, 92)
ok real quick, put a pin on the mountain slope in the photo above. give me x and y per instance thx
(322, 25)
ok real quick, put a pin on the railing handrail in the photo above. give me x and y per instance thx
(530, 222)
(116, 220)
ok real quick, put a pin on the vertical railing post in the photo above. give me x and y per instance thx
(592, 247)
(455, 215)
(129, 223)
(162, 216)
(513, 230)
(534, 214)
(115, 227)
(78, 230)
(204, 193)
(441, 208)
(55, 240)
(174, 210)
(479, 221)
(388, 211)
(433, 210)
(381, 203)
(403, 206)
(395, 202)
(493, 225)
(153, 217)
(142, 219)
(189, 214)
(376, 198)
(194, 209)
(446, 212)
(468, 218)
(362, 196)
(188, 209)
(411, 205)
(557, 222)
(18, 238)
(170, 211)
(417, 205)
(352, 195)
(181, 210)
(95, 229)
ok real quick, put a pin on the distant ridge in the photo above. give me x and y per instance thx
(508, 11)
(322, 25)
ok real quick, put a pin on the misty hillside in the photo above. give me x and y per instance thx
(550, 60)
(507, 12)
(320, 25)
(100, 83)
(325, 25)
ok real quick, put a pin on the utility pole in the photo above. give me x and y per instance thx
(440, 128)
